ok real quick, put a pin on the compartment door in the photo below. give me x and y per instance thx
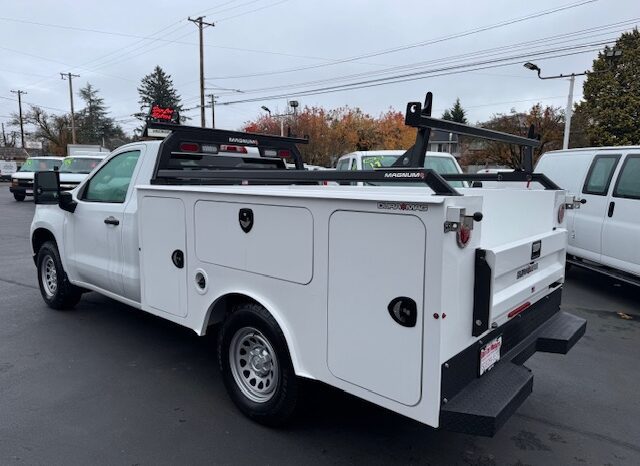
(375, 258)
(162, 226)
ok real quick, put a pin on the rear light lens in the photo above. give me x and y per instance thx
(209, 148)
(561, 212)
(189, 147)
(518, 310)
(284, 154)
(236, 149)
(463, 236)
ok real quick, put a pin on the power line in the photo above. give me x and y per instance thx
(419, 44)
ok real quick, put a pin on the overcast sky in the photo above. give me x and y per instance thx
(287, 42)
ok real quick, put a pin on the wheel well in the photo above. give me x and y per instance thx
(41, 236)
(223, 306)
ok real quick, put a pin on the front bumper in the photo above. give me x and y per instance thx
(481, 405)
(26, 191)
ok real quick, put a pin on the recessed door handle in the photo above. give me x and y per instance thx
(612, 205)
(111, 221)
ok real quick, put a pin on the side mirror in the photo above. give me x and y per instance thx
(66, 202)
(46, 187)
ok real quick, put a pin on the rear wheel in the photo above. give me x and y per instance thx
(256, 366)
(55, 287)
(18, 197)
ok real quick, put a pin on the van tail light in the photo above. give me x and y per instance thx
(235, 149)
(561, 212)
(284, 154)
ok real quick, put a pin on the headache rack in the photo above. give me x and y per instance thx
(191, 155)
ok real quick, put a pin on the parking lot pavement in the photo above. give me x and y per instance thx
(107, 384)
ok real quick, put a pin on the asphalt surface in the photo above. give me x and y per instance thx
(108, 384)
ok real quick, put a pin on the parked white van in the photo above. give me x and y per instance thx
(441, 162)
(604, 232)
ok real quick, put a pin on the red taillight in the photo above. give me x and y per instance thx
(518, 310)
(236, 149)
(284, 154)
(561, 212)
(463, 235)
(189, 147)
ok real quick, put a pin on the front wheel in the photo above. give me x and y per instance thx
(18, 197)
(256, 366)
(55, 287)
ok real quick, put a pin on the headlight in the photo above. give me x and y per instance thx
(14, 183)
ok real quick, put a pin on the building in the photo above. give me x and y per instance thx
(442, 141)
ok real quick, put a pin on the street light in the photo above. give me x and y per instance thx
(266, 109)
(610, 54)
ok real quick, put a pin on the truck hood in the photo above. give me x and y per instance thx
(72, 177)
(23, 176)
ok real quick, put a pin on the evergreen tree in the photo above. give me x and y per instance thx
(157, 87)
(612, 95)
(455, 113)
(94, 124)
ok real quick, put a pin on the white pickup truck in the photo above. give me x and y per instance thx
(425, 300)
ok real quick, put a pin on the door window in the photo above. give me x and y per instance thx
(111, 182)
(354, 164)
(628, 184)
(342, 164)
(600, 174)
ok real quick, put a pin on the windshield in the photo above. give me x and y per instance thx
(79, 165)
(443, 166)
(371, 162)
(39, 165)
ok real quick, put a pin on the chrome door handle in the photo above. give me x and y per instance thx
(111, 220)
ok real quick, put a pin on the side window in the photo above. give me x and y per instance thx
(600, 174)
(342, 164)
(628, 184)
(354, 164)
(111, 182)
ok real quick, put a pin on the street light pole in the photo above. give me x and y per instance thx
(610, 54)
(19, 92)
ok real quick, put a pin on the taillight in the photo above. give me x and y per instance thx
(518, 310)
(236, 149)
(189, 147)
(284, 154)
(463, 235)
(561, 212)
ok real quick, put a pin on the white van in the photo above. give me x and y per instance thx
(22, 180)
(441, 162)
(604, 232)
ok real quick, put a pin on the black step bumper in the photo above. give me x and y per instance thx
(481, 405)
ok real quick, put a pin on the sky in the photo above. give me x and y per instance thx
(266, 51)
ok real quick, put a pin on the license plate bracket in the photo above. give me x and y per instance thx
(490, 354)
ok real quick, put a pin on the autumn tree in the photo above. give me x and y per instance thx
(335, 132)
(157, 87)
(54, 129)
(612, 94)
(549, 125)
(455, 113)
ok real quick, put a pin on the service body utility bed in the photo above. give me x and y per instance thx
(419, 298)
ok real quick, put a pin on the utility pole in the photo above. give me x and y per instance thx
(19, 92)
(70, 77)
(213, 109)
(4, 136)
(201, 25)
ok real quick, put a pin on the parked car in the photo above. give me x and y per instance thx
(604, 232)
(22, 180)
(75, 168)
(387, 293)
(441, 162)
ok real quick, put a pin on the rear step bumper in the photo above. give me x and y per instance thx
(481, 405)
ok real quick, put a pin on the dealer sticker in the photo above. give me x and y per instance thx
(490, 354)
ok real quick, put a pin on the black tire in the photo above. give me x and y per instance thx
(19, 197)
(58, 293)
(279, 407)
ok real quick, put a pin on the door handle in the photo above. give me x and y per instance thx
(111, 220)
(612, 206)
